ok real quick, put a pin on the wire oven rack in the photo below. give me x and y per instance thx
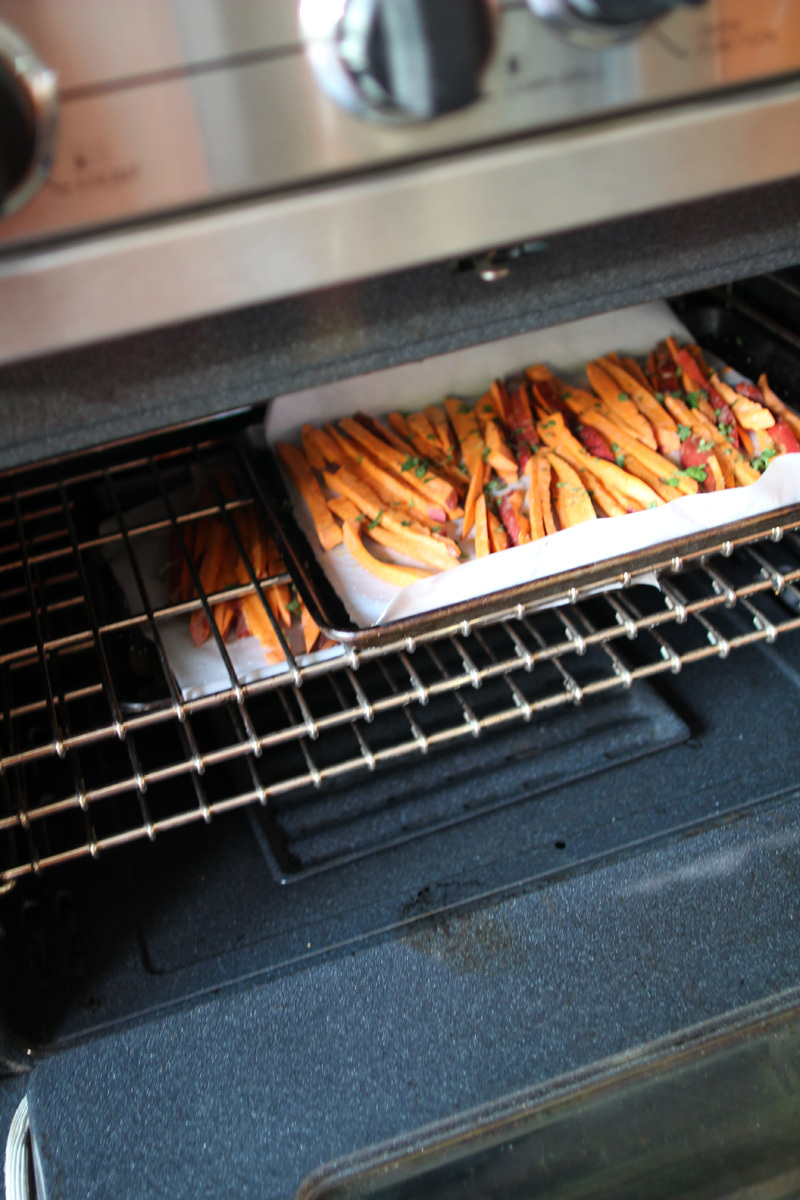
(99, 748)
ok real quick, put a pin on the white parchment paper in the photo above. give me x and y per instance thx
(468, 373)
(199, 670)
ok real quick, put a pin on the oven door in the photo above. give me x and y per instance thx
(310, 917)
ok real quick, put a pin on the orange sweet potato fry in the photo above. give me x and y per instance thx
(475, 488)
(311, 448)
(421, 547)
(534, 497)
(343, 508)
(296, 464)
(438, 490)
(465, 424)
(310, 628)
(545, 498)
(498, 538)
(482, 548)
(389, 573)
(573, 503)
(620, 405)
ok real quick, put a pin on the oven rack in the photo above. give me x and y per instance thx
(87, 764)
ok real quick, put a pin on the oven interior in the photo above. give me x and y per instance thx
(420, 877)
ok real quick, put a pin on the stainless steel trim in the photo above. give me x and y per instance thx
(247, 254)
(38, 84)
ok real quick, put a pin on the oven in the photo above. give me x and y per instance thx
(504, 902)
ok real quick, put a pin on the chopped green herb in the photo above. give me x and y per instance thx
(761, 461)
(726, 429)
(421, 470)
(410, 464)
(693, 398)
(659, 396)
(619, 459)
(431, 437)
(494, 486)
(622, 396)
(464, 408)
(405, 522)
(488, 408)
(377, 520)
(294, 606)
(704, 445)
(548, 425)
(566, 395)
(673, 481)
(652, 504)
(436, 528)
(561, 483)
(360, 459)
(485, 452)
(698, 473)
(684, 432)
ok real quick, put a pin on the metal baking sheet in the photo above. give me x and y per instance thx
(357, 610)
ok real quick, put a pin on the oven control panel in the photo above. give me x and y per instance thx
(111, 113)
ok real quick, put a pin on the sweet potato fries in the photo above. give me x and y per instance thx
(533, 456)
(219, 565)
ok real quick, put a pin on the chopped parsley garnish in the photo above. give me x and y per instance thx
(698, 473)
(622, 395)
(294, 605)
(726, 429)
(436, 528)
(693, 398)
(659, 396)
(619, 459)
(377, 520)
(485, 452)
(561, 483)
(410, 464)
(405, 522)
(673, 481)
(653, 504)
(761, 461)
(704, 445)
(488, 408)
(494, 486)
(684, 432)
(464, 408)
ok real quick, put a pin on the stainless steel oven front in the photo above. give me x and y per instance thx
(509, 903)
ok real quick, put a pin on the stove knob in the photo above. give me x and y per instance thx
(27, 121)
(399, 60)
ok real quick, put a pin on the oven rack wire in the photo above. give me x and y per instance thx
(87, 765)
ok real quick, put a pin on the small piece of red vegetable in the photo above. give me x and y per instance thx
(784, 438)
